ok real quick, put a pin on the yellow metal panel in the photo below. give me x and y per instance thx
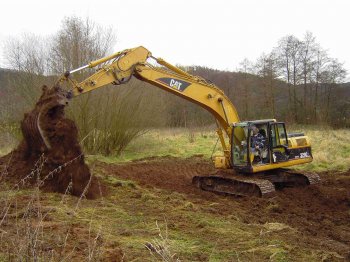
(220, 162)
(122, 68)
(260, 168)
(131, 59)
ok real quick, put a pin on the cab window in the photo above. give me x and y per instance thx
(239, 146)
(282, 134)
(278, 135)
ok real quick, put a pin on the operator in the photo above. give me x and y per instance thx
(257, 142)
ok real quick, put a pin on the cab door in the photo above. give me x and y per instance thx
(239, 147)
(278, 142)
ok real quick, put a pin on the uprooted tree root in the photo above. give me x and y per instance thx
(50, 150)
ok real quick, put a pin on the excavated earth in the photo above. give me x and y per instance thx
(50, 155)
(321, 213)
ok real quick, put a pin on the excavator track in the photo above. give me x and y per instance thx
(259, 184)
(282, 178)
(226, 183)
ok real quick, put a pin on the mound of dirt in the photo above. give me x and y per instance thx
(50, 151)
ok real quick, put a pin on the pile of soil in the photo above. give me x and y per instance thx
(51, 149)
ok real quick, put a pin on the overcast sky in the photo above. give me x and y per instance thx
(214, 33)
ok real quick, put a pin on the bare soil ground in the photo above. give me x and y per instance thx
(296, 224)
(320, 213)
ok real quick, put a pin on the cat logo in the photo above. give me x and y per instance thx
(176, 84)
(304, 155)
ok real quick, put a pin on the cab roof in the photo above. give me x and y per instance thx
(255, 122)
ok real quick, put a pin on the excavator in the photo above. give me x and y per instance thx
(244, 169)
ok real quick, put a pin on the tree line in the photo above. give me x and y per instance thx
(310, 74)
(296, 82)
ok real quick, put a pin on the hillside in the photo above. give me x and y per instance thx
(248, 93)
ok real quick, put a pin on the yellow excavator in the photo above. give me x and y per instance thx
(255, 153)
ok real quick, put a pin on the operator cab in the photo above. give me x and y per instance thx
(259, 143)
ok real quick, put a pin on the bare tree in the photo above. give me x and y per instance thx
(335, 74)
(245, 69)
(27, 56)
(77, 43)
(308, 52)
(318, 73)
(267, 68)
(295, 52)
(284, 54)
(304, 62)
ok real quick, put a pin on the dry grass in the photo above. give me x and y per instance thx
(161, 247)
(330, 148)
(9, 137)
(28, 230)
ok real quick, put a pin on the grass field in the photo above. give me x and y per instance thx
(330, 148)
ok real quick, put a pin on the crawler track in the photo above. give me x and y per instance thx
(234, 185)
(282, 178)
(260, 184)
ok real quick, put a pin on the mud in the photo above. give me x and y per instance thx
(50, 150)
(321, 213)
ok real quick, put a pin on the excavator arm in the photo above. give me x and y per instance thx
(117, 69)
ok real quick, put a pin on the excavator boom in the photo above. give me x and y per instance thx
(117, 69)
(133, 62)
